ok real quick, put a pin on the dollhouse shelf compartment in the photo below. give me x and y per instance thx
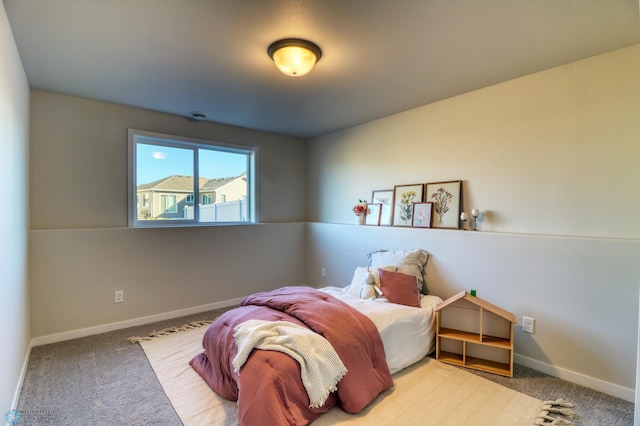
(474, 333)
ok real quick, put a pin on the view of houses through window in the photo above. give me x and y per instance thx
(184, 181)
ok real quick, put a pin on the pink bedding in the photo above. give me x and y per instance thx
(269, 387)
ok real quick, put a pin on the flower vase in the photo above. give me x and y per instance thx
(360, 220)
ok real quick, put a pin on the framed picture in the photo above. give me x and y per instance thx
(445, 197)
(373, 216)
(384, 197)
(403, 198)
(422, 215)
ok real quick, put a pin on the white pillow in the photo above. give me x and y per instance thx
(411, 262)
(365, 283)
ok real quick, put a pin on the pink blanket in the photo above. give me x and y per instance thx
(269, 387)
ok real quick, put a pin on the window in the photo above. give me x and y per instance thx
(168, 173)
(168, 203)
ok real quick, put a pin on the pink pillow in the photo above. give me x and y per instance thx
(399, 288)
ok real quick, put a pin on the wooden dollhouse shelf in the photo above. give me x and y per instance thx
(474, 333)
(498, 342)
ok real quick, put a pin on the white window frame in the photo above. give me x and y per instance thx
(141, 136)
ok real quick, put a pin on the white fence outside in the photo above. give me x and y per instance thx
(231, 211)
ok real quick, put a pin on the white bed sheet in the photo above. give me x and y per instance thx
(408, 334)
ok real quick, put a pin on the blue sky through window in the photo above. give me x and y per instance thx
(157, 162)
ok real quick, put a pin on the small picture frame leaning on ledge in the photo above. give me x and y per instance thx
(422, 213)
(373, 216)
(385, 198)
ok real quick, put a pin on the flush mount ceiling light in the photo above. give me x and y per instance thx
(293, 56)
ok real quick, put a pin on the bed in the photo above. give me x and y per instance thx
(407, 333)
(375, 335)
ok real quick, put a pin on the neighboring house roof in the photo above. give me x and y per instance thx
(214, 184)
(185, 183)
(172, 183)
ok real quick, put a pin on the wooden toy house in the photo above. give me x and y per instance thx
(474, 333)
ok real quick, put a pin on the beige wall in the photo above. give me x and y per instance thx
(553, 162)
(552, 153)
(75, 272)
(81, 250)
(79, 149)
(14, 292)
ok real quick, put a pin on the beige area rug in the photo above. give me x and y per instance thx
(427, 393)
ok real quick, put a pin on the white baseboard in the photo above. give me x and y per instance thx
(83, 332)
(23, 372)
(577, 378)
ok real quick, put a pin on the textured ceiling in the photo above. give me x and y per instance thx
(379, 56)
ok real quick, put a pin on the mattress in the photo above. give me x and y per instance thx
(408, 334)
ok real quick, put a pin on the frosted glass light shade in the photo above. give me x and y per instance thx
(294, 57)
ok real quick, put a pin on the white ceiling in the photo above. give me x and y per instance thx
(379, 56)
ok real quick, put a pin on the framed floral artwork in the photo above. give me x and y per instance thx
(373, 215)
(385, 198)
(403, 198)
(422, 215)
(445, 197)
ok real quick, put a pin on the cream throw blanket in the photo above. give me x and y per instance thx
(320, 365)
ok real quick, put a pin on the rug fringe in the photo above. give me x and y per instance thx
(559, 406)
(164, 332)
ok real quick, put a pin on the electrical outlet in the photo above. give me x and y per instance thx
(323, 272)
(119, 296)
(528, 324)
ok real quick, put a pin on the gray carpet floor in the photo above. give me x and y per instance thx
(104, 380)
